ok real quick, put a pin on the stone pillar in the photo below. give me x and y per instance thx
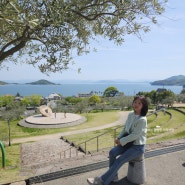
(136, 171)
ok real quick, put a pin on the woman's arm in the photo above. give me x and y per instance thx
(135, 133)
(122, 133)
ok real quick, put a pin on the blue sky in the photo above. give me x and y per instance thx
(160, 54)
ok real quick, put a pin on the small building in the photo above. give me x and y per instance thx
(18, 98)
(85, 95)
(54, 96)
(160, 90)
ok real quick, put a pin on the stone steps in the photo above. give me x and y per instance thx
(46, 152)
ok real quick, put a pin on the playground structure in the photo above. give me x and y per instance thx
(3, 155)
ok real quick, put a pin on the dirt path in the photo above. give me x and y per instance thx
(122, 119)
(179, 105)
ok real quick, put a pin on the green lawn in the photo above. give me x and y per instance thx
(171, 127)
(11, 172)
(93, 120)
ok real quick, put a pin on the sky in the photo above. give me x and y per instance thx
(159, 55)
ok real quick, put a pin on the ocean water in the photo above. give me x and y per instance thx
(129, 89)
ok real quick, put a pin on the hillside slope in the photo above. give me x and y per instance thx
(174, 80)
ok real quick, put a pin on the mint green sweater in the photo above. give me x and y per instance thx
(136, 127)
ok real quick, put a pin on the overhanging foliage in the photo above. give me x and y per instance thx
(50, 32)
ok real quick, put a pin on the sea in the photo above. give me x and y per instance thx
(129, 89)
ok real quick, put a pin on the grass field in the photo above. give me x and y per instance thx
(161, 126)
(93, 120)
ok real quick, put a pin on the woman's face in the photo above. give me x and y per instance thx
(137, 106)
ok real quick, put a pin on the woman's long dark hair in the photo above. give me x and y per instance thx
(144, 102)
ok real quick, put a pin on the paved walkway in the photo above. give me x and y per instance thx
(168, 169)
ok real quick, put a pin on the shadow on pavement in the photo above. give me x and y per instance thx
(123, 181)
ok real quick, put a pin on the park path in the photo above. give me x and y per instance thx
(121, 120)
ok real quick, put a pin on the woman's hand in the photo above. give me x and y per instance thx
(117, 141)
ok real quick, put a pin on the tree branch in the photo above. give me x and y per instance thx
(22, 42)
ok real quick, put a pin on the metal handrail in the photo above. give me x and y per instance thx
(78, 147)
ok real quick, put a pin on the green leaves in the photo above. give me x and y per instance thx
(49, 33)
(110, 91)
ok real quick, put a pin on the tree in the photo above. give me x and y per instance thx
(50, 33)
(33, 100)
(94, 99)
(73, 100)
(165, 94)
(180, 98)
(7, 101)
(82, 105)
(152, 96)
(168, 101)
(122, 101)
(183, 91)
(110, 92)
(12, 113)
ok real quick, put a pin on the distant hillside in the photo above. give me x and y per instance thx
(41, 82)
(3, 83)
(174, 80)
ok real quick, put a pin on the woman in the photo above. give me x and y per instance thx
(130, 142)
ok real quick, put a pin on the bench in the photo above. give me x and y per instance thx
(136, 170)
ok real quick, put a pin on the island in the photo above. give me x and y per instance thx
(174, 80)
(3, 83)
(42, 82)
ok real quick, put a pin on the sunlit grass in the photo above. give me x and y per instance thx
(161, 119)
(11, 171)
(177, 119)
(181, 108)
(93, 120)
(151, 118)
(173, 127)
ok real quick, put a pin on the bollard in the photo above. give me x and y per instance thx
(3, 155)
(136, 171)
